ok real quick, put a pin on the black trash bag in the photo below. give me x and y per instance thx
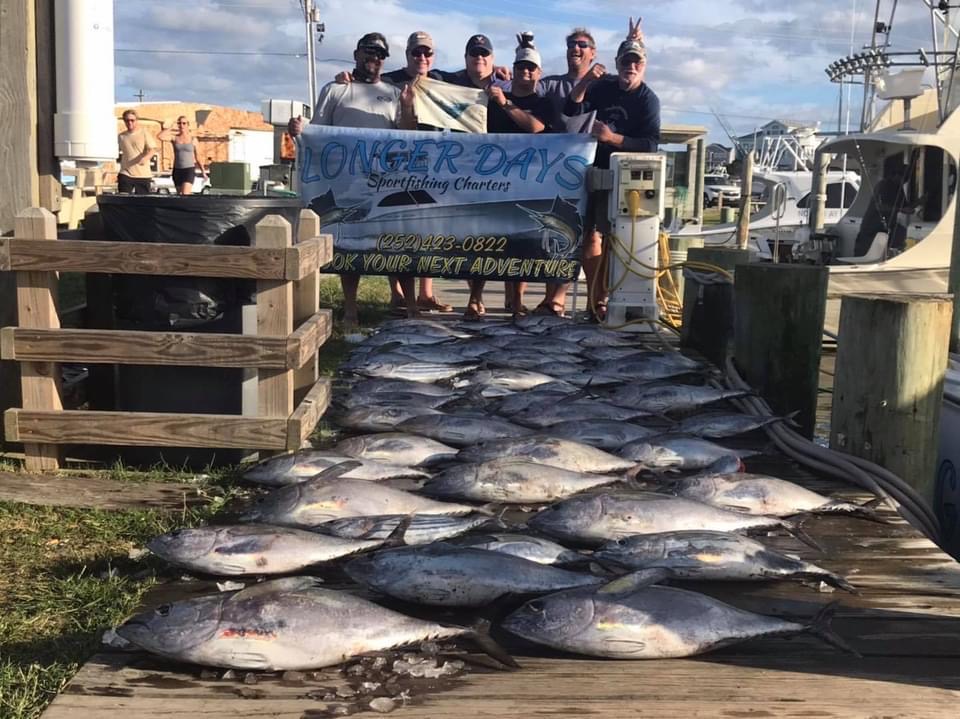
(167, 302)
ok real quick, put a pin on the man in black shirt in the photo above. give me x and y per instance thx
(628, 119)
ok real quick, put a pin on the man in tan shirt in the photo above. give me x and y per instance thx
(137, 148)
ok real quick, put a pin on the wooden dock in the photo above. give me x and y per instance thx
(905, 623)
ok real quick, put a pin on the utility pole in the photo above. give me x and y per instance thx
(311, 15)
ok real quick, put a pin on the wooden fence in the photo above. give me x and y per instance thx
(290, 330)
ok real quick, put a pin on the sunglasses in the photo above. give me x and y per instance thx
(628, 60)
(375, 52)
(478, 52)
(582, 44)
(181, 122)
(421, 53)
(524, 66)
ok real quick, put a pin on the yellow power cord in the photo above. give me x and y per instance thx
(668, 296)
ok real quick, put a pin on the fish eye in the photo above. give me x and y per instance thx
(163, 610)
(621, 541)
(535, 606)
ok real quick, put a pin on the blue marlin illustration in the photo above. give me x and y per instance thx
(563, 223)
(453, 109)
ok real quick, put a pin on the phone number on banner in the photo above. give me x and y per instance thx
(438, 243)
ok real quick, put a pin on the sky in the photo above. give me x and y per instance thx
(751, 61)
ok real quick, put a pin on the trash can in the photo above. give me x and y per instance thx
(188, 304)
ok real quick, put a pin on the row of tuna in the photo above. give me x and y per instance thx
(553, 471)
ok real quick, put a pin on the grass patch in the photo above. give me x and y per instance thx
(68, 575)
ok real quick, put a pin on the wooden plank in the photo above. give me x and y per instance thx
(146, 348)
(779, 325)
(274, 317)
(94, 492)
(307, 414)
(303, 344)
(306, 301)
(732, 684)
(309, 255)
(37, 309)
(146, 258)
(153, 429)
(888, 389)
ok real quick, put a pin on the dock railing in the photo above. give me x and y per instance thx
(290, 329)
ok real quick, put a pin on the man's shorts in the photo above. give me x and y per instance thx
(133, 185)
(595, 218)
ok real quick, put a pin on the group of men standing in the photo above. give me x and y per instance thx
(626, 110)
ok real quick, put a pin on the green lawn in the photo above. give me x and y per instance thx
(68, 573)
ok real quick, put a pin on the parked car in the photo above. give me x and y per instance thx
(163, 184)
(715, 186)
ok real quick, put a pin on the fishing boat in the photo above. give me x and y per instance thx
(782, 192)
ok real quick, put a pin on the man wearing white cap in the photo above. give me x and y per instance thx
(628, 119)
(420, 53)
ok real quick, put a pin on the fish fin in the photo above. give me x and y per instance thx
(795, 529)
(629, 583)
(337, 470)
(491, 509)
(285, 584)
(396, 537)
(820, 627)
(788, 418)
(479, 632)
(835, 580)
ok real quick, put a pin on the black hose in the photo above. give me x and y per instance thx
(861, 472)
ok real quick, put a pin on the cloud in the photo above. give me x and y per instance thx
(754, 59)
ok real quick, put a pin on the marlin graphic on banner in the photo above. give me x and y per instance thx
(442, 204)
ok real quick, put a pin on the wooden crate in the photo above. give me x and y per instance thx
(291, 328)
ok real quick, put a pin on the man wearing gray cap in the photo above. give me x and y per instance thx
(628, 119)
(369, 102)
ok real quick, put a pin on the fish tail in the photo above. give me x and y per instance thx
(479, 632)
(796, 530)
(820, 627)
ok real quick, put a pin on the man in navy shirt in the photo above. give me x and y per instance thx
(628, 119)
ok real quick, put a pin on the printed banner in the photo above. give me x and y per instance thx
(440, 104)
(440, 204)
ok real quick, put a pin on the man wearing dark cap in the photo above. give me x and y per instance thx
(479, 70)
(628, 119)
(369, 102)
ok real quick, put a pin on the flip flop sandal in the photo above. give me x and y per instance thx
(546, 309)
(474, 312)
(433, 304)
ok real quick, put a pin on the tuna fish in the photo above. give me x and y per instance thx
(607, 434)
(512, 481)
(547, 450)
(461, 431)
(550, 413)
(505, 381)
(293, 468)
(381, 418)
(422, 529)
(649, 623)
(397, 448)
(596, 518)
(251, 549)
(319, 500)
(392, 399)
(378, 386)
(759, 494)
(286, 624)
(677, 452)
(712, 556)
(536, 549)
(413, 370)
(446, 575)
(722, 424)
(671, 397)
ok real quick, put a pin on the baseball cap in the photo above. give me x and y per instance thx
(632, 47)
(374, 40)
(479, 41)
(419, 39)
(528, 54)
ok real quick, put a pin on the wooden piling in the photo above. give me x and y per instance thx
(708, 308)
(778, 328)
(746, 192)
(888, 388)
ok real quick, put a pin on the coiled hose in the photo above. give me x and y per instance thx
(863, 473)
